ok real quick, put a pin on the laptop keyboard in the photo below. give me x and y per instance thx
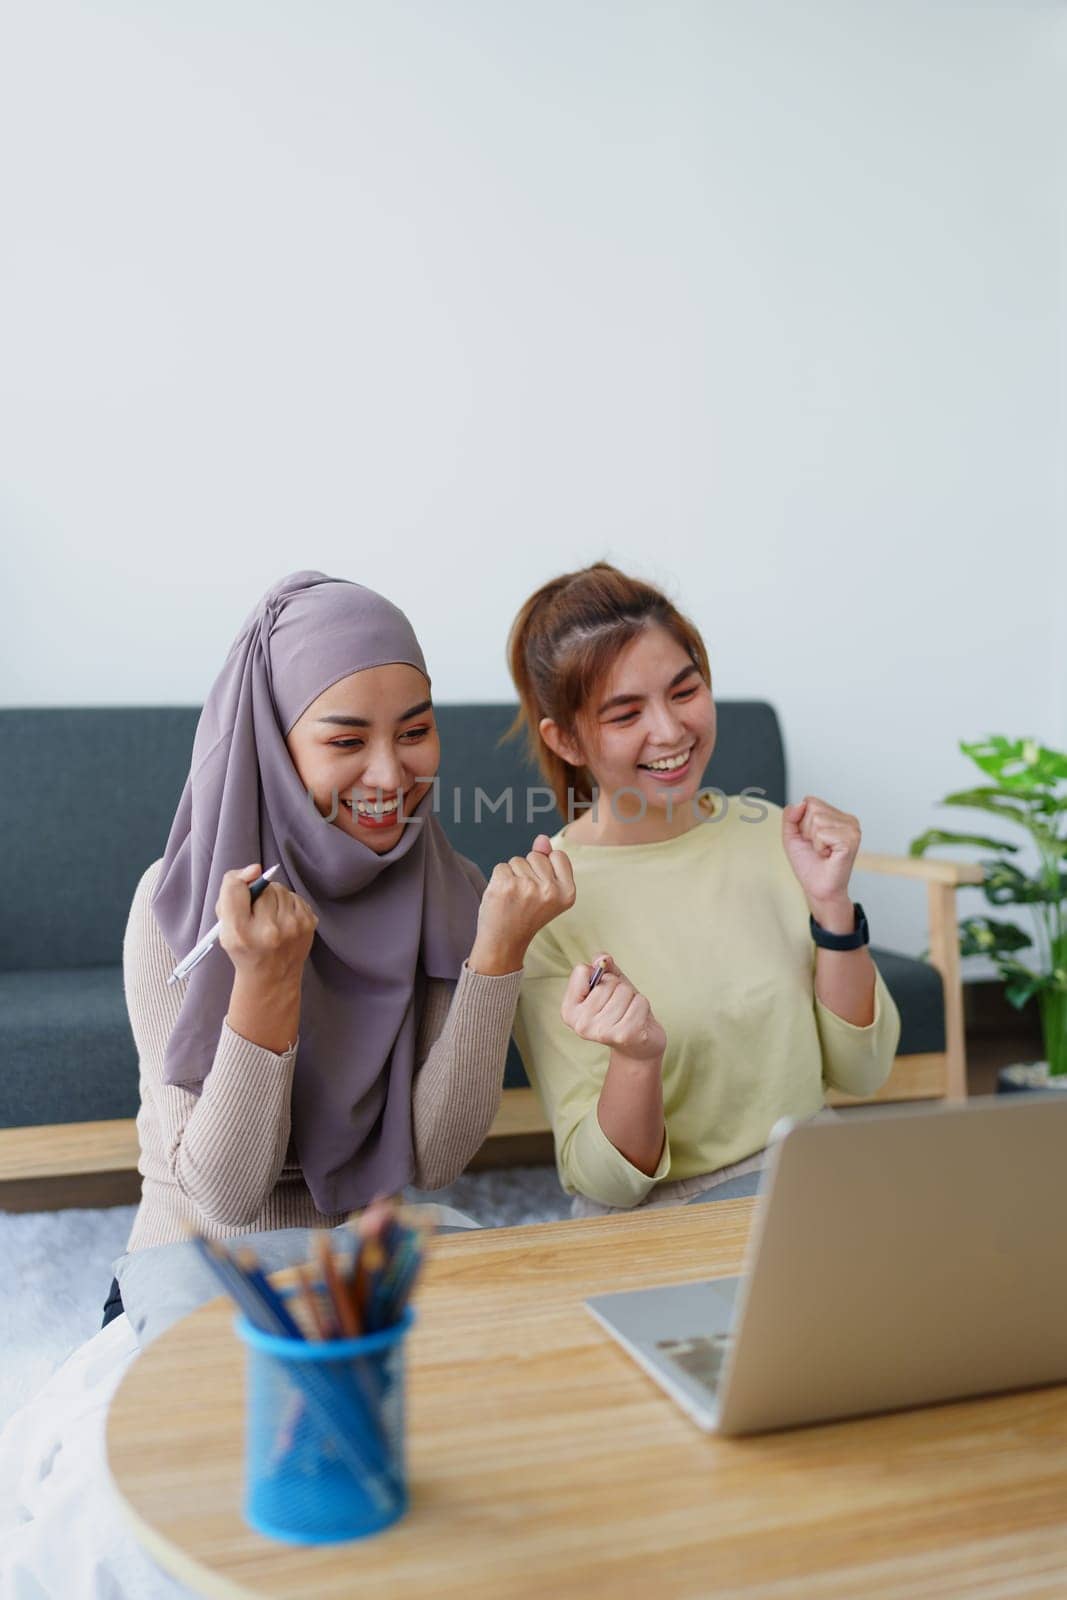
(700, 1358)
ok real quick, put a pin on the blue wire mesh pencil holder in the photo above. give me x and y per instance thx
(324, 1435)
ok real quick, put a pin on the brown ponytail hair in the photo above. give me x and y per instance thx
(561, 647)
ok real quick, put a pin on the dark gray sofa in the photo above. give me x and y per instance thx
(87, 796)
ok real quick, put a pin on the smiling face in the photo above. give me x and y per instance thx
(372, 739)
(651, 729)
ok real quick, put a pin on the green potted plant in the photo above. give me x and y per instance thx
(1026, 792)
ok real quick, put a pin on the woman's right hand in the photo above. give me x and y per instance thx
(613, 1013)
(268, 940)
(522, 896)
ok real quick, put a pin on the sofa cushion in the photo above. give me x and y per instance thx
(71, 869)
(916, 987)
(72, 860)
(67, 1051)
(69, 1055)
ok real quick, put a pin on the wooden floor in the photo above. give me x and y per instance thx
(985, 1057)
(997, 1035)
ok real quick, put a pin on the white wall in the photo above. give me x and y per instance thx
(761, 300)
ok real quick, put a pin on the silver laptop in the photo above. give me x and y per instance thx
(898, 1256)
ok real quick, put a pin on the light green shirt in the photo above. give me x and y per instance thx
(712, 927)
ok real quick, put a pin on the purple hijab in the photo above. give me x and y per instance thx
(381, 917)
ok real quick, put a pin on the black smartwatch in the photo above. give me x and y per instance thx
(859, 936)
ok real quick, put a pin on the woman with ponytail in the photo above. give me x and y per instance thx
(738, 988)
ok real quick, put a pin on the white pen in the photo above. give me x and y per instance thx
(210, 939)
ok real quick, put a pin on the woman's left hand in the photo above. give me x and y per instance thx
(821, 843)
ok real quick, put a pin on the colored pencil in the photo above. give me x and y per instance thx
(308, 1291)
(344, 1310)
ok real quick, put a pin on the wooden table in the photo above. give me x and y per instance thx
(545, 1464)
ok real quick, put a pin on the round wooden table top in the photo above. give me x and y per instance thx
(543, 1462)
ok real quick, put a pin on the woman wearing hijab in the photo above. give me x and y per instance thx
(349, 1036)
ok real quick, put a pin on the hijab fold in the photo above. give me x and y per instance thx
(380, 917)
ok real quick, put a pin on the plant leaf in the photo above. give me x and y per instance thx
(920, 845)
(1005, 885)
(993, 755)
(990, 800)
(1031, 796)
(1017, 763)
(984, 936)
(1022, 987)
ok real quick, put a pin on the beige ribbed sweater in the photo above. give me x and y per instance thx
(222, 1160)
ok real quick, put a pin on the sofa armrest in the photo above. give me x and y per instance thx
(942, 879)
(953, 873)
